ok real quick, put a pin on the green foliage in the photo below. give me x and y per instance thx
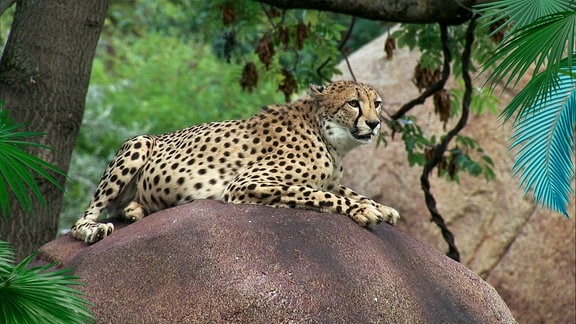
(462, 157)
(519, 13)
(300, 40)
(17, 167)
(483, 101)
(545, 139)
(425, 38)
(415, 141)
(187, 20)
(5, 23)
(531, 45)
(36, 295)
(180, 84)
(544, 108)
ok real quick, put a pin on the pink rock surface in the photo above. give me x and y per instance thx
(212, 262)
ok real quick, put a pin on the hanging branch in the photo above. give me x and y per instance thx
(440, 149)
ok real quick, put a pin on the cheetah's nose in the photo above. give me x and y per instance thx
(372, 124)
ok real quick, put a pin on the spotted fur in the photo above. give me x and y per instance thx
(284, 156)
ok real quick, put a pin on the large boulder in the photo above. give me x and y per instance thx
(526, 253)
(211, 262)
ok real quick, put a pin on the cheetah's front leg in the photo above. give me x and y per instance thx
(295, 196)
(390, 215)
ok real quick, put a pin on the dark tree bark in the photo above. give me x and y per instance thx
(44, 75)
(405, 11)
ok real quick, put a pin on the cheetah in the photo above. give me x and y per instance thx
(284, 156)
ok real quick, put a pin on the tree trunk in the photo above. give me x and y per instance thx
(44, 75)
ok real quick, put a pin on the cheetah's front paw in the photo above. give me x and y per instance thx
(366, 215)
(90, 231)
(389, 214)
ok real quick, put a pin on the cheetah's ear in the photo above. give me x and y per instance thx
(315, 89)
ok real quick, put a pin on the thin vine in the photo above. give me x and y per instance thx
(440, 149)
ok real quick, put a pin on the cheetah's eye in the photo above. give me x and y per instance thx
(377, 104)
(354, 103)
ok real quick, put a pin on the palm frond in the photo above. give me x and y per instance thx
(36, 295)
(6, 257)
(536, 90)
(542, 43)
(17, 167)
(519, 13)
(545, 141)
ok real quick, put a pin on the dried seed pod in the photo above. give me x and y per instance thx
(249, 77)
(442, 165)
(498, 36)
(419, 77)
(429, 153)
(424, 77)
(301, 35)
(389, 47)
(265, 50)
(273, 12)
(442, 106)
(453, 166)
(228, 13)
(288, 85)
(284, 36)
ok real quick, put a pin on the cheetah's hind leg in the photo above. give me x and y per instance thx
(116, 191)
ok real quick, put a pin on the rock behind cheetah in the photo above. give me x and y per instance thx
(285, 156)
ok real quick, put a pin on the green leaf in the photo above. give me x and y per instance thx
(533, 44)
(488, 160)
(545, 142)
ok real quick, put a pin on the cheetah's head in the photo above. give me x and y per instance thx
(350, 113)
